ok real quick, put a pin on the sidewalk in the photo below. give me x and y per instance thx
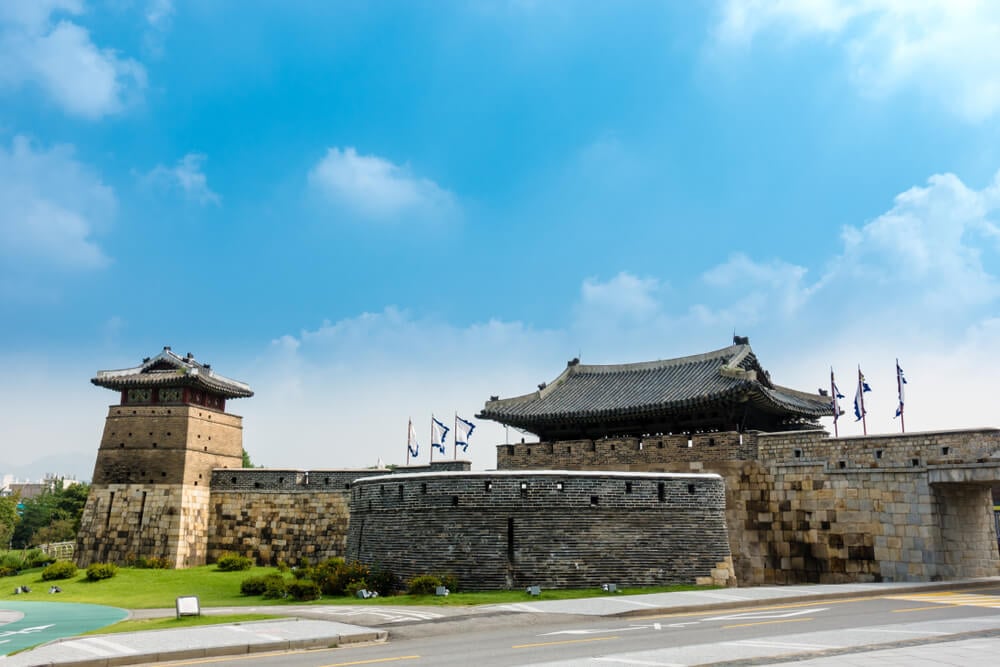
(195, 642)
(320, 626)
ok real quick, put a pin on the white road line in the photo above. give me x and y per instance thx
(721, 596)
(901, 632)
(518, 606)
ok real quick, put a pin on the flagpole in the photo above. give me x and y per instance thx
(899, 390)
(861, 393)
(836, 411)
(455, 438)
(432, 437)
(409, 430)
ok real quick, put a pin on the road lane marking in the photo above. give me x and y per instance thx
(374, 661)
(793, 605)
(766, 614)
(951, 598)
(899, 632)
(784, 620)
(566, 641)
(935, 606)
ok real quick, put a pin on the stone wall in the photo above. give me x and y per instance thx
(812, 508)
(272, 515)
(554, 529)
(123, 521)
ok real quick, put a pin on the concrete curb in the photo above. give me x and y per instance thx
(251, 647)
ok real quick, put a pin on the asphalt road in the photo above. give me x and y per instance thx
(846, 629)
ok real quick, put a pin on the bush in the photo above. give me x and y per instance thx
(98, 571)
(423, 584)
(150, 563)
(450, 581)
(61, 569)
(353, 587)
(37, 558)
(230, 562)
(257, 585)
(275, 588)
(384, 582)
(304, 590)
(334, 575)
(7, 571)
(13, 561)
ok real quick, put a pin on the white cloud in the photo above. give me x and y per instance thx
(624, 297)
(59, 56)
(377, 188)
(187, 175)
(946, 49)
(52, 207)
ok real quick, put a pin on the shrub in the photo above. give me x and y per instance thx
(275, 588)
(257, 585)
(150, 563)
(353, 587)
(334, 575)
(37, 558)
(304, 590)
(98, 571)
(423, 584)
(12, 560)
(450, 581)
(230, 562)
(384, 582)
(61, 569)
(283, 566)
(7, 571)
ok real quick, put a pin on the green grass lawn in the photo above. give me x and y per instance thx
(173, 623)
(150, 589)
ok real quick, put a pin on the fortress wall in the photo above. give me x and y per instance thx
(554, 529)
(278, 525)
(831, 510)
(123, 521)
(627, 453)
(910, 450)
(271, 514)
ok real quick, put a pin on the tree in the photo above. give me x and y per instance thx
(8, 519)
(52, 516)
(247, 463)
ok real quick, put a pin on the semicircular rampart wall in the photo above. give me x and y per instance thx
(555, 529)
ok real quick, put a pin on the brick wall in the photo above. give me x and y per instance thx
(508, 530)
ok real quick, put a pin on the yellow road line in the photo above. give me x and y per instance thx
(785, 620)
(934, 606)
(373, 661)
(566, 641)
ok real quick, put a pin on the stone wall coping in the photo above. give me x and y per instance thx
(494, 474)
(873, 436)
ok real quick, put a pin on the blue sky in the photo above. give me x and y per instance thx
(375, 211)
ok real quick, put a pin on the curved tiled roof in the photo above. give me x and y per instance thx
(656, 391)
(168, 368)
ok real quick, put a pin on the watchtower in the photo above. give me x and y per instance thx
(150, 491)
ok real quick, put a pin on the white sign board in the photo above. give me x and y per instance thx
(188, 606)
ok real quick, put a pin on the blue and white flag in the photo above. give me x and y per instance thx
(900, 381)
(833, 399)
(412, 446)
(463, 430)
(438, 434)
(859, 399)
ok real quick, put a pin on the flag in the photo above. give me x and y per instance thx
(859, 401)
(438, 434)
(835, 395)
(463, 430)
(412, 445)
(900, 381)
